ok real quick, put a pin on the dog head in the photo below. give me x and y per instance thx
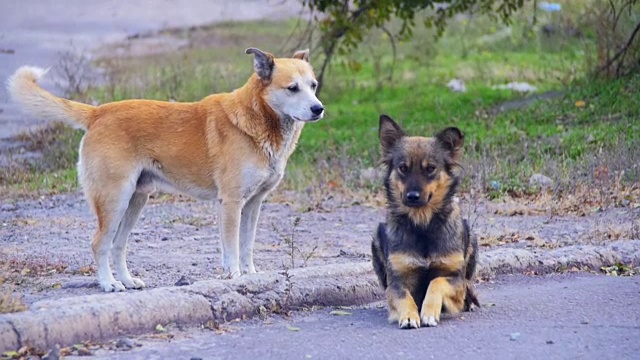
(422, 172)
(289, 84)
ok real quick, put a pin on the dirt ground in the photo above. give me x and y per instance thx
(45, 243)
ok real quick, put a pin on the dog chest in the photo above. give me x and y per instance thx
(256, 180)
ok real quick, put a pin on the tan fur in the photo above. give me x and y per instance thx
(403, 310)
(232, 147)
(442, 292)
(415, 147)
(424, 253)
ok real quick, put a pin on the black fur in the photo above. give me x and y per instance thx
(445, 234)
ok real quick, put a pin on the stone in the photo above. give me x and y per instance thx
(457, 85)
(8, 207)
(184, 280)
(125, 344)
(540, 181)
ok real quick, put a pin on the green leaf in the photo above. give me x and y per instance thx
(11, 354)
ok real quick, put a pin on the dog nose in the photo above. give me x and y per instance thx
(413, 196)
(317, 109)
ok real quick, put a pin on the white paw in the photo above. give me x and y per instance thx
(132, 283)
(112, 286)
(429, 321)
(409, 323)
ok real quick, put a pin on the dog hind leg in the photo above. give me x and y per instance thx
(119, 251)
(378, 249)
(109, 208)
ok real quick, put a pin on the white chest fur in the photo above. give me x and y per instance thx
(258, 179)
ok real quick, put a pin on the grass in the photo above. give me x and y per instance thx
(587, 136)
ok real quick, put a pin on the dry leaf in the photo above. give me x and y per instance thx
(340, 313)
(292, 328)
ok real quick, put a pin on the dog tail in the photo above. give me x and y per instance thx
(38, 102)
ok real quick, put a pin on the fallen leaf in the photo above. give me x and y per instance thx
(580, 104)
(160, 328)
(292, 328)
(56, 286)
(340, 313)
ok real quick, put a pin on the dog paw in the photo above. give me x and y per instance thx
(409, 322)
(228, 275)
(429, 320)
(133, 283)
(249, 270)
(112, 286)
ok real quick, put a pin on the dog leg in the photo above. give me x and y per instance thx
(402, 308)
(119, 251)
(110, 213)
(248, 225)
(230, 214)
(378, 244)
(442, 292)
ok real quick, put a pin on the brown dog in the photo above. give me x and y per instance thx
(423, 255)
(232, 147)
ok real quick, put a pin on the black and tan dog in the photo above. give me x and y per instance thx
(424, 255)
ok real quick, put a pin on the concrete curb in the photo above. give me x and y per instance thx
(509, 260)
(99, 317)
(103, 316)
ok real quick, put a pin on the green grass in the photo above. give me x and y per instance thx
(554, 137)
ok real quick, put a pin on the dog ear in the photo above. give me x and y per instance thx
(302, 55)
(263, 64)
(390, 133)
(452, 140)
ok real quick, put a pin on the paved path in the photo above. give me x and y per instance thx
(554, 317)
(38, 32)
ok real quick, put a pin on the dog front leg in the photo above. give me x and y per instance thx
(442, 291)
(402, 308)
(230, 212)
(248, 225)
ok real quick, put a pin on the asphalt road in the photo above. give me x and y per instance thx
(554, 317)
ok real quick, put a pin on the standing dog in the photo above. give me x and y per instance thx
(232, 147)
(423, 255)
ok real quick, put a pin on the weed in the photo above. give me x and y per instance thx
(292, 248)
(286, 306)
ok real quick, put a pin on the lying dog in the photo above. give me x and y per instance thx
(232, 147)
(423, 255)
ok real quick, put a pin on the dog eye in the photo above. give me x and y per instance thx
(314, 86)
(403, 168)
(430, 169)
(293, 88)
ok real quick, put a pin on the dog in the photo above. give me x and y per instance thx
(230, 147)
(424, 255)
